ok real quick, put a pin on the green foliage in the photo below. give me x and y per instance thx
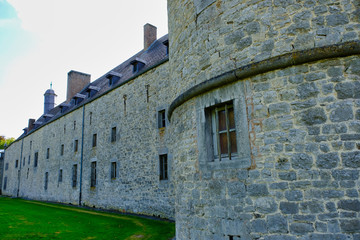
(6, 141)
(20, 219)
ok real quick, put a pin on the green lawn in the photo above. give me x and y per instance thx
(21, 219)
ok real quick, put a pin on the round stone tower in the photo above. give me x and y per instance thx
(265, 118)
(49, 100)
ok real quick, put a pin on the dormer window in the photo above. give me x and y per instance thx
(91, 91)
(78, 98)
(47, 117)
(64, 107)
(166, 43)
(138, 64)
(113, 77)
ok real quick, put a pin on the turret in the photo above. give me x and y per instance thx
(49, 100)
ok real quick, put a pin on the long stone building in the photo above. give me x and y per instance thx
(242, 123)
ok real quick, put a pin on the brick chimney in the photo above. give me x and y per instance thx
(76, 82)
(149, 35)
(30, 124)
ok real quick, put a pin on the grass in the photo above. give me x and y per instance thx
(22, 219)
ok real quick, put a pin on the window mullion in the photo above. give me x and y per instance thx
(227, 131)
(217, 132)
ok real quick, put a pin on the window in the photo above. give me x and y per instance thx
(5, 183)
(27, 173)
(36, 156)
(64, 129)
(161, 119)
(46, 180)
(47, 153)
(6, 166)
(93, 175)
(94, 140)
(113, 134)
(24, 161)
(29, 160)
(90, 120)
(60, 175)
(62, 150)
(74, 175)
(163, 167)
(113, 170)
(74, 125)
(30, 145)
(224, 132)
(16, 163)
(138, 64)
(76, 145)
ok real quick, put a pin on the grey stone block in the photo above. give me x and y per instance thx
(345, 174)
(350, 137)
(265, 205)
(258, 225)
(277, 224)
(279, 108)
(294, 195)
(342, 112)
(301, 161)
(337, 19)
(257, 190)
(301, 228)
(351, 159)
(348, 90)
(307, 90)
(350, 226)
(328, 160)
(289, 207)
(314, 116)
(349, 205)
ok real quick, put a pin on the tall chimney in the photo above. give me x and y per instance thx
(31, 124)
(49, 100)
(149, 35)
(76, 82)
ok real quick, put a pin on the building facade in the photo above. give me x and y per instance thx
(246, 126)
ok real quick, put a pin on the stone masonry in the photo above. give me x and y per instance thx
(286, 77)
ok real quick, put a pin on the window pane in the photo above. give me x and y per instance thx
(231, 118)
(233, 142)
(222, 120)
(223, 143)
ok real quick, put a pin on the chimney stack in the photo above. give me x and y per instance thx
(76, 82)
(149, 35)
(31, 124)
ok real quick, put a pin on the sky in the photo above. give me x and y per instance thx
(42, 40)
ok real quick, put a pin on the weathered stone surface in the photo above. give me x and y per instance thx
(301, 161)
(314, 116)
(351, 159)
(327, 161)
(349, 205)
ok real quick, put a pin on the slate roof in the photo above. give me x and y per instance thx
(154, 55)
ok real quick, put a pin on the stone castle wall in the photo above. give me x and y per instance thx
(297, 176)
(139, 142)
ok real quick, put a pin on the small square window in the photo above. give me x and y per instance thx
(76, 145)
(161, 119)
(93, 175)
(113, 134)
(163, 163)
(62, 150)
(113, 170)
(94, 140)
(16, 163)
(47, 153)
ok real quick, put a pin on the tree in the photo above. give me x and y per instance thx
(6, 141)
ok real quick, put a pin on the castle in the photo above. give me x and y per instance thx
(242, 123)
